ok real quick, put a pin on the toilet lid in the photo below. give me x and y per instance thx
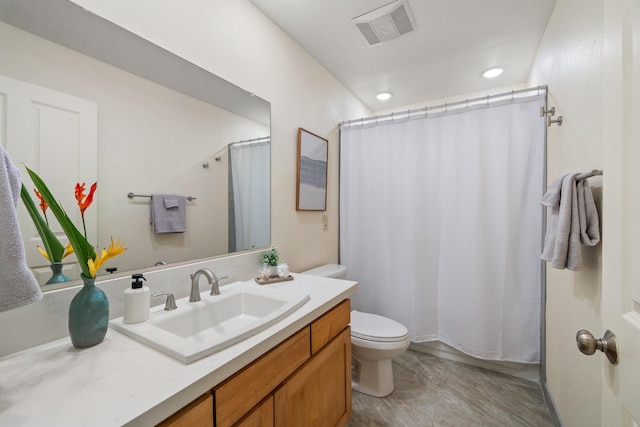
(372, 327)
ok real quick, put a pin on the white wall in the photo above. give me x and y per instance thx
(235, 41)
(232, 39)
(570, 61)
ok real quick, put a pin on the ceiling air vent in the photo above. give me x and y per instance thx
(385, 23)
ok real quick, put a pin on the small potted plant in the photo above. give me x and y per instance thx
(270, 260)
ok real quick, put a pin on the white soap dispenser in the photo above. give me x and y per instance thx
(136, 301)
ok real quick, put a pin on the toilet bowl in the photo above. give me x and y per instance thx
(375, 340)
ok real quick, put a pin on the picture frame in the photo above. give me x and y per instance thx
(313, 156)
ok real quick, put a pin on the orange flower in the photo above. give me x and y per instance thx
(43, 204)
(84, 202)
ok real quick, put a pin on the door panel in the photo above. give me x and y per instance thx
(55, 135)
(621, 210)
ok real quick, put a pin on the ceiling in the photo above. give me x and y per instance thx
(454, 41)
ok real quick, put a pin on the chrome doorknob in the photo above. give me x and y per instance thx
(608, 344)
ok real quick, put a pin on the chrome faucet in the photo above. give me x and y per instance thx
(213, 281)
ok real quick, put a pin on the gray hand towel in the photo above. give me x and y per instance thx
(572, 220)
(18, 286)
(168, 213)
(588, 215)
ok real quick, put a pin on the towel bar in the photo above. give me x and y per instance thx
(131, 196)
(585, 175)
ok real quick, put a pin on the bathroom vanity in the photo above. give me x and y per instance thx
(296, 372)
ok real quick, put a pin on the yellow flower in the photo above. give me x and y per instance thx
(67, 251)
(44, 253)
(113, 250)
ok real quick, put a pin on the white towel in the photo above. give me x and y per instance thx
(572, 220)
(18, 286)
(168, 213)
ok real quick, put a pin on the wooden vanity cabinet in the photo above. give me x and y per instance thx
(319, 393)
(237, 395)
(304, 381)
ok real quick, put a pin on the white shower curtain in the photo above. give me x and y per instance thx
(440, 223)
(249, 195)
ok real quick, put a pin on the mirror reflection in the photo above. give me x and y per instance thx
(174, 130)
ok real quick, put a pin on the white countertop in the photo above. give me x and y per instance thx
(122, 382)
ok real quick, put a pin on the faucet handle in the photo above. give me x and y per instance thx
(170, 304)
(215, 289)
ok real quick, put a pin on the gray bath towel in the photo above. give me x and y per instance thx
(18, 286)
(572, 220)
(168, 213)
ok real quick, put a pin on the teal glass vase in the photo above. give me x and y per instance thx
(88, 315)
(57, 277)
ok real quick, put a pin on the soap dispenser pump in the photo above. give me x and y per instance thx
(136, 301)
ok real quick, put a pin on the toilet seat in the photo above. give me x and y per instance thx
(371, 327)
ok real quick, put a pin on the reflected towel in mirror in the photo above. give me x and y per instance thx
(168, 213)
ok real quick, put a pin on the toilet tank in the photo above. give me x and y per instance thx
(335, 271)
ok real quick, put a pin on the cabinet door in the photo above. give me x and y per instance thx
(319, 393)
(198, 413)
(260, 416)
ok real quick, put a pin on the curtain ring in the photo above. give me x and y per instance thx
(512, 100)
(487, 104)
(446, 107)
(466, 105)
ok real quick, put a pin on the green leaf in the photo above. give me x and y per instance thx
(82, 248)
(51, 244)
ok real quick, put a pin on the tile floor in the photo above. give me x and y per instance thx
(434, 392)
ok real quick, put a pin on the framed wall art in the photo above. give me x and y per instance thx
(311, 190)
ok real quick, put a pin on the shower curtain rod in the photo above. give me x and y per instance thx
(218, 156)
(252, 141)
(466, 103)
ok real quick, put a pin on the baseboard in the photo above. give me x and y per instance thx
(551, 404)
(530, 372)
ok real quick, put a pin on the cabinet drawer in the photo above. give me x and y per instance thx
(329, 325)
(236, 396)
(198, 413)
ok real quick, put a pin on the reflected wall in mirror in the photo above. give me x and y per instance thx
(177, 137)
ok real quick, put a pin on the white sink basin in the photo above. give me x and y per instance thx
(198, 329)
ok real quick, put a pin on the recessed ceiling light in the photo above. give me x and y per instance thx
(492, 72)
(383, 96)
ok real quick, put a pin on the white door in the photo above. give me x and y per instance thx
(54, 134)
(621, 211)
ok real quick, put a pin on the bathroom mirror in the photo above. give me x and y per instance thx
(164, 126)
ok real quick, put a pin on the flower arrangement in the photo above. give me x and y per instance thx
(53, 251)
(89, 261)
(271, 257)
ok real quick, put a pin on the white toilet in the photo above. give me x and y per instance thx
(375, 340)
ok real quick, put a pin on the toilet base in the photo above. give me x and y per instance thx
(372, 377)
